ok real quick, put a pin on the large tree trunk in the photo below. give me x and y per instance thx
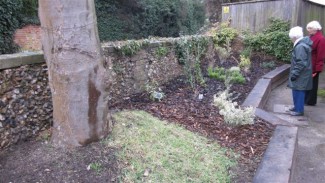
(73, 55)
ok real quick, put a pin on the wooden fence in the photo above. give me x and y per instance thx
(309, 11)
(254, 15)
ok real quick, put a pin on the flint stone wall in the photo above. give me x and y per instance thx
(128, 75)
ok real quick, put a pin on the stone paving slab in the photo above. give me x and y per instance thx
(310, 162)
(282, 112)
(271, 118)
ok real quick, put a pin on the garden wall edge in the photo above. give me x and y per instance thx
(8, 61)
(277, 162)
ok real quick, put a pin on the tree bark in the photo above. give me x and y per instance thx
(76, 74)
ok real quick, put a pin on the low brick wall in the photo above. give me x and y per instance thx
(29, 38)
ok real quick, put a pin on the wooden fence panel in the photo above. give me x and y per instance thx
(311, 11)
(254, 15)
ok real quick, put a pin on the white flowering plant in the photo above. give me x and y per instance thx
(233, 114)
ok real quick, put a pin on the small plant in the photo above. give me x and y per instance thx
(270, 65)
(245, 63)
(227, 75)
(161, 51)
(236, 77)
(155, 93)
(224, 35)
(97, 167)
(189, 51)
(223, 53)
(46, 136)
(232, 113)
(130, 48)
(218, 73)
(117, 68)
(247, 52)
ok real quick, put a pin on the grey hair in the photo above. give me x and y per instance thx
(296, 32)
(314, 25)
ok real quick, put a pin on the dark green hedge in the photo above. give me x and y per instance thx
(117, 19)
(134, 19)
(9, 22)
(29, 13)
(13, 15)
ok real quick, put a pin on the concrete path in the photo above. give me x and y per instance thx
(309, 163)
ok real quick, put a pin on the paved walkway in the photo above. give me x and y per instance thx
(309, 165)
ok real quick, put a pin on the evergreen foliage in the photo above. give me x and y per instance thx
(274, 40)
(130, 19)
(117, 19)
(9, 22)
(15, 14)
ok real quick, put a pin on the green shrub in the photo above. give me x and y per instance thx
(246, 52)
(189, 51)
(161, 51)
(245, 63)
(224, 35)
(273, 41)
(131, 47)
(268, 64)
(277, 25)
(223, 53)
(226, 75)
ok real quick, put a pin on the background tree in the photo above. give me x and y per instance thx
(76, 73)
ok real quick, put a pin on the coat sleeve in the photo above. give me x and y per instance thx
(320, 55)
(301, 61)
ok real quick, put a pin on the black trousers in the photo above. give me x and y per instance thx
(311, 95)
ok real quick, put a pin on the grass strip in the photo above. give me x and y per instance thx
(151, 150)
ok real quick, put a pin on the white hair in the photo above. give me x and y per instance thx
(314, 25)
(296, 32)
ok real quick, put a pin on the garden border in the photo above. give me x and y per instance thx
(276, 165)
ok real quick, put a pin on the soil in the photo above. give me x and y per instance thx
(37, 161)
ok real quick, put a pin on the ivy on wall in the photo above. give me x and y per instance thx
(9, 22)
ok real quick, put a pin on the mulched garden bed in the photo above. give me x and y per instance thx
(180, 105)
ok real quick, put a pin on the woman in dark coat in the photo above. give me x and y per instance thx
(300, 77)
(317, 56)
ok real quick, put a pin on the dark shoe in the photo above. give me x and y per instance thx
(310, 104)
(293, 113)
(292, 109)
